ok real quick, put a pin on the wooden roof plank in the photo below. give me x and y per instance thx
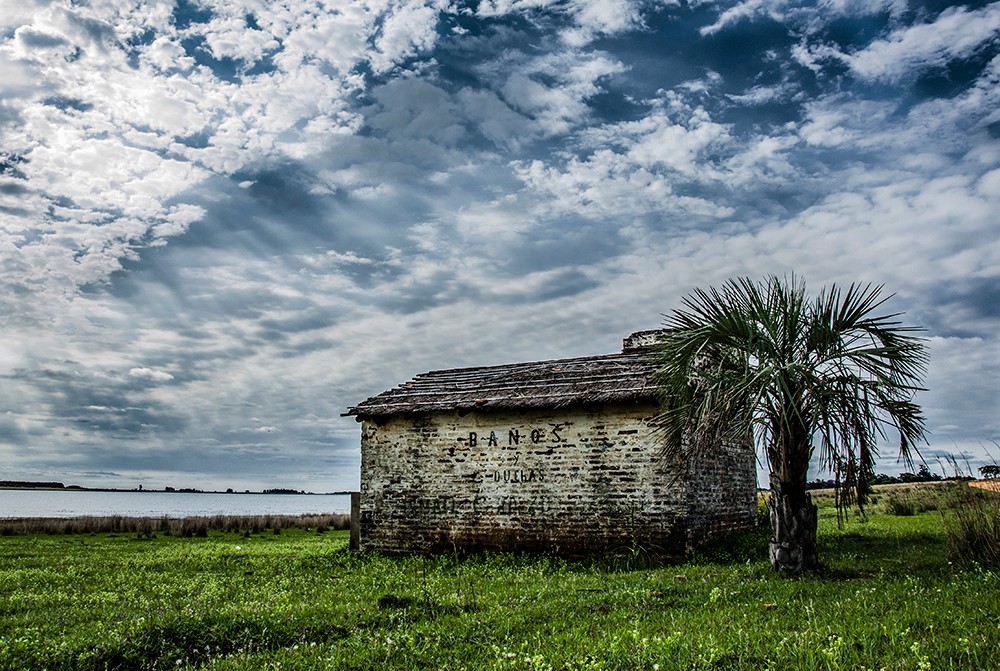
(554, 383)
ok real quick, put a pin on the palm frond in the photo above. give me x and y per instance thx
(762, 359)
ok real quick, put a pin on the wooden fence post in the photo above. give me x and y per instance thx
(355, 521)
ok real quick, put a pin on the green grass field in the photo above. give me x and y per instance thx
(886, 598)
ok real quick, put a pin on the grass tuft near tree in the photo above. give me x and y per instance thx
(764, 362)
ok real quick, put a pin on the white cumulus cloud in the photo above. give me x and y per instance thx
(956, 33)
(151, 374)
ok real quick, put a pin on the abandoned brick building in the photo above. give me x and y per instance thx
(552, 456)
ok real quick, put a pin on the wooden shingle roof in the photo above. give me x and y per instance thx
(624, 377)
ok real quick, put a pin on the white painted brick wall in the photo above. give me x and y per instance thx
(576, 481)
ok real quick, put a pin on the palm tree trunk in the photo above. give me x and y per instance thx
(793, 520)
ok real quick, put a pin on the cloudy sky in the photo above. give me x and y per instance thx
(222, 222)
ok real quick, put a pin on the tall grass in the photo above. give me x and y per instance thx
(972, 525)
(971, 517)
(185, 527)
(912, 500)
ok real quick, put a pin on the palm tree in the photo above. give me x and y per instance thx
(762, 362)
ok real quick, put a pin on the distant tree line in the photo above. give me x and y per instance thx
(20, 484)
(27, 484)
(923, 474)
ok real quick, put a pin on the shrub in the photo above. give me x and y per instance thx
(900, 504)
(973, 527)
(763, 509)
(917, 499)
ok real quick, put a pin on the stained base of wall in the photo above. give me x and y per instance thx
(517, 542)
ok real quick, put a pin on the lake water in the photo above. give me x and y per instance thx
(75, 503)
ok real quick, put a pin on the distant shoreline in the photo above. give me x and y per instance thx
(13, 485)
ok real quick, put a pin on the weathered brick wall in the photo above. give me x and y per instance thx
(574, 481)
(722, 493)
